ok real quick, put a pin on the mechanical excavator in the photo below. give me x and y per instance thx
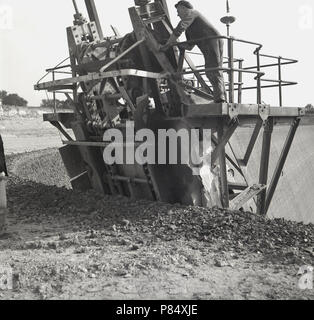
(124, 82)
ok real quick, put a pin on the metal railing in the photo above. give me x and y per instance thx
(258, 69)
(53, 71)
(233, 85)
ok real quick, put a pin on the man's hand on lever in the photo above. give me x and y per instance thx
(185, 46)
(171, 42)
(181, 46)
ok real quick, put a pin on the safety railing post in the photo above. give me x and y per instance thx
(240, 79)
(258, 77)
(280, 81)
(231, 70)
(54, 94)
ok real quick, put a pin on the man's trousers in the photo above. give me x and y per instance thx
(213, 55)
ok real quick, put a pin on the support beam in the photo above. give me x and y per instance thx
(99, 76)
(237, 186)
(198, 75)
(235, 165)
(119, 57)
(252, 142)
(152, 182)
(127, 98)
(263, 176)
(281, 162)
(197, 91)
(238, 202)
(165, 7)
(130, 180)
(161, 21)
(93, 16)
(139, 29)
(222, 164)
(92, 158)
(224, 139)
(72, 50)
(61, 130)
(99, 144)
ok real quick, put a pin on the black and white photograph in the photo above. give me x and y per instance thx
(156, 150)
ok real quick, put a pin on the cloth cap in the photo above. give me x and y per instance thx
(186, 4)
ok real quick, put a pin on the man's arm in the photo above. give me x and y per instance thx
(184, 24)
(182, 27)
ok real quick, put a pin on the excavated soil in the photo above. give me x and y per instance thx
(64, 244)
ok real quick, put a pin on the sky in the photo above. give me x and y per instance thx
(33, 38)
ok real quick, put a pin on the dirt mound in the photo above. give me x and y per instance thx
(242, 232)
(64, 244)
(231, 229)
(45, 167)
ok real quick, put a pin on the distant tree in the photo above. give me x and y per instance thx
(14, 100)
(3, 94)
(46, 103)
(309, 108)
(59, 103)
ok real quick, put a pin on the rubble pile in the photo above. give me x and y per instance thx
(239, 231)
(64, 244)
(44, 166)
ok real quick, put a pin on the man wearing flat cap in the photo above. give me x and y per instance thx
(196, 26)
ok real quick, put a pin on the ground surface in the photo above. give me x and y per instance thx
(28, 134)
(69, 245)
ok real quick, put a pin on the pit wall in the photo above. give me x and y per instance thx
(293, 199)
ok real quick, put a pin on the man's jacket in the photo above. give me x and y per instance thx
(196, 26)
